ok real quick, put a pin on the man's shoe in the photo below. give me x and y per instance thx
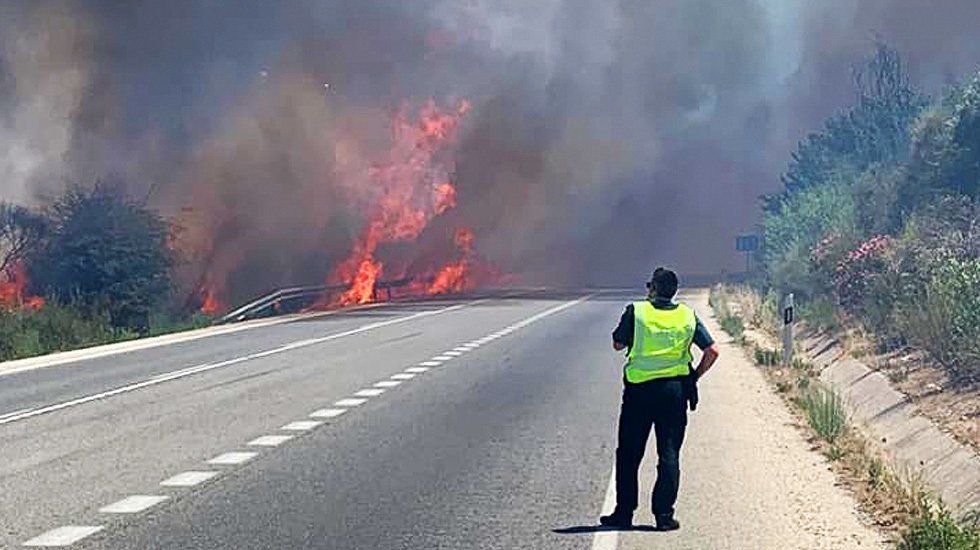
(619, 519)
(667, 523)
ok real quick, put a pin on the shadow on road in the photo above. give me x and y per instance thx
(579, 529)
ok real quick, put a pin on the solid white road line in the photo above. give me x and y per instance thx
(14, 413)
(349, 402)
(430, 363)
(269, 440)
(133, 504)
(232, 458)
(64, 536)
(387, 384)
(370, 392)
(188, 479)
(301, 425)
(417, 370)
(607, 540)
(166, 377)
(402, 376)
(327, 413)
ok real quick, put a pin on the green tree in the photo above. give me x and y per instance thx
(946, 149)
(21, 233)
(875, 131)
(106, 254)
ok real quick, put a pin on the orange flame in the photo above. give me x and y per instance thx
(13, 288)
(210, 304)
(455, 276)
(411, 188)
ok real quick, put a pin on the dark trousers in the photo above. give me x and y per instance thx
(661, 404)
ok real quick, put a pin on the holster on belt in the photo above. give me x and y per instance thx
(691, 390)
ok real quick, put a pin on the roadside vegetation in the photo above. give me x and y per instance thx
(879, 225)
(92, 267)
(877, 234)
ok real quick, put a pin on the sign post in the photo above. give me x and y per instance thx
(747, 244)
(788, 329)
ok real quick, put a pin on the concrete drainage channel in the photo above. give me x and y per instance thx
(913, 444)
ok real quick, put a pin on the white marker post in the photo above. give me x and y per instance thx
(788, 330)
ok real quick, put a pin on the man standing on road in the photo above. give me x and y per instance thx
(659, 385)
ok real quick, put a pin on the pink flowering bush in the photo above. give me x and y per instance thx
(855, 274)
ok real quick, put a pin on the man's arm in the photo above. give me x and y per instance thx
(708, 358)
(703, 339)
(622, 337)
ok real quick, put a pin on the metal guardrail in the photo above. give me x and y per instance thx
(296, 298)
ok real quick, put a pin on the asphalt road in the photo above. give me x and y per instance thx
(506, 441)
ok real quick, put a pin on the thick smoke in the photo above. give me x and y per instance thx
(605, 137)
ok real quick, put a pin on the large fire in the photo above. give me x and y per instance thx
(412, 186)
(13, 290)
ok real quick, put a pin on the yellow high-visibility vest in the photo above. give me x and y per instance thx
(661, 342)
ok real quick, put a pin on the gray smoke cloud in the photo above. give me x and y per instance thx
(605, 137)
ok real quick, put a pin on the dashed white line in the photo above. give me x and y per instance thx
(269, 440)
(64, 536)
(370, 392)
(166, 377)
(430, 363)
(327, 413)
(232, 458)
(387, 384)
(417, 370)
(301, 425)
(442, 358)
(133, 504)
(350, 402)
(188, 479)
(402, 376)
(452, 353)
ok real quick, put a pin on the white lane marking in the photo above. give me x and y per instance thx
(442, 358)
(133, 504)
(430, 363)
(452, 353)
(64, 536)
(14, 413)
(387, 384)
(370, 392)
(166, 377)
(188, 479)
(469, 347)
(301, 425)
(607, 540)
(269, 440)
(327, 413)
(350, 402)
(416, 370)
(402, 376)
(232, 458)
(462, 349)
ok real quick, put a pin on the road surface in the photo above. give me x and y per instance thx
(477, 423)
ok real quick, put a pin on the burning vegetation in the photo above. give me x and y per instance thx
(409, 188)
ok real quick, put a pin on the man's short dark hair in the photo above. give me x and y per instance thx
(663, 283)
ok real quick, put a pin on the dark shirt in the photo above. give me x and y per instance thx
(624, 332)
